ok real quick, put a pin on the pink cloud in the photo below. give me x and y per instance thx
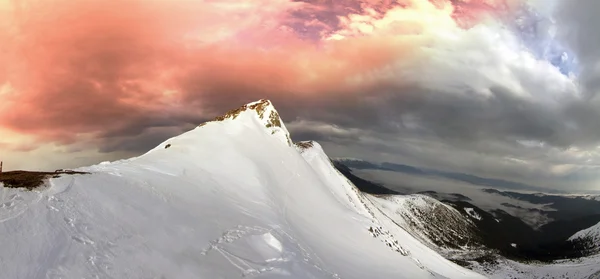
(96, 67)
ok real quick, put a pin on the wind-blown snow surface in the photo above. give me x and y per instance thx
(229, 199)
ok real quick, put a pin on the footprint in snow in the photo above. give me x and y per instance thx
(14, 202)
(82, 240)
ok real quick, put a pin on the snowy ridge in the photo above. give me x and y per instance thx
(232, 198)
(346, 193)
(589, 237)
(436, 224)
(591, 233)
(349, 194)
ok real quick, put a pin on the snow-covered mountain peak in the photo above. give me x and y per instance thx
(263, 109)
(261, 112)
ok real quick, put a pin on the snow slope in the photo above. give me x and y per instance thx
(589, 238)
(232, 198)
(436, 224)
(592, 233)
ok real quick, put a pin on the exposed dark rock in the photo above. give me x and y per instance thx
(29, 179)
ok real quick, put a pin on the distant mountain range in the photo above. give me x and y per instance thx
(568, 233)
(457, 176)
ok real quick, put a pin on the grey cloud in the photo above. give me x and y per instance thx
(494, 160)
(458, 118)
(578, 23)
(142, 141)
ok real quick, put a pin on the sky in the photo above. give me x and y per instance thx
(497, 88)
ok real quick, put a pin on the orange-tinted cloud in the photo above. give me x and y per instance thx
(470, 12)
(114, 68)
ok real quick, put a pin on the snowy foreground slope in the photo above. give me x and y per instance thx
(232, 198)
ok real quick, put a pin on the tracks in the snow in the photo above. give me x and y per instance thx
(273, 251)
(15, 202)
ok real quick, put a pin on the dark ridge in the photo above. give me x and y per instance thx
(30, 179)
(461, 196)
(404, 168)
(499, 230)
(561, 230)
(566, 208)
(549, 252)
(359, 164)
(421, 171)
(445, 196)
(429, 192)
(361, 184)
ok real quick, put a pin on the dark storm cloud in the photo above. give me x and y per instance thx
(142, 141)
(463, 119)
